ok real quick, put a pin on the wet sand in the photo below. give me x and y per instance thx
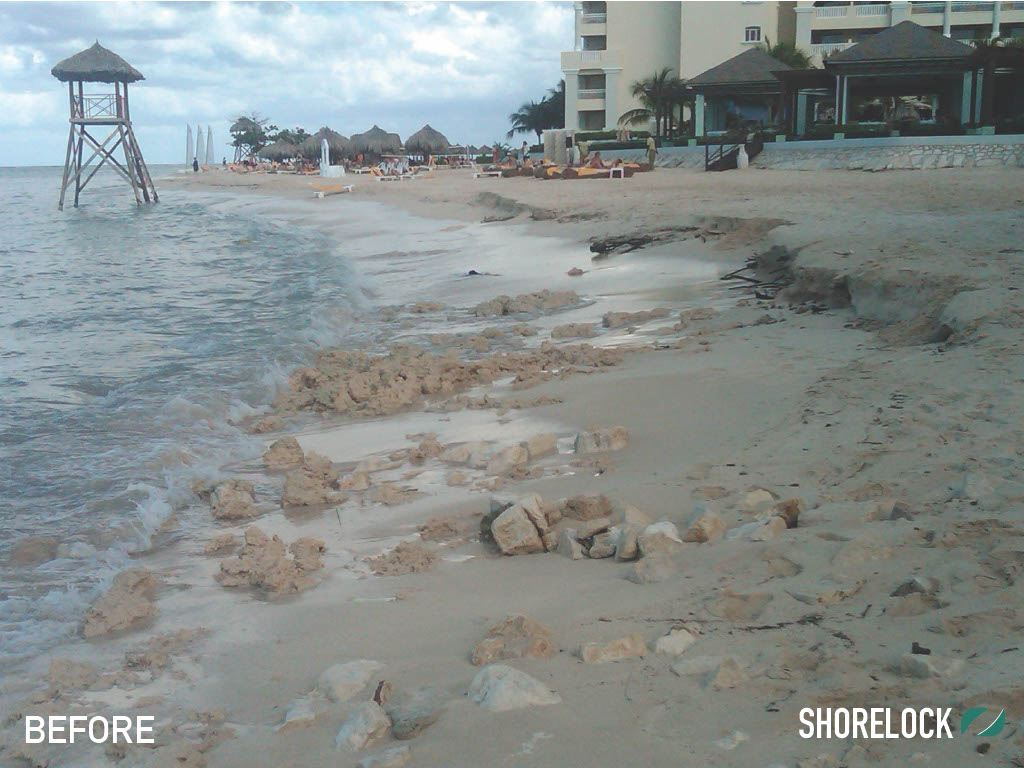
(881, 389)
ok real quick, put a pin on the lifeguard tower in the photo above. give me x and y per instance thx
(90, 111)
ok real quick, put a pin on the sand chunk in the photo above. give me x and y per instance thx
(283, 453)
(573, 330)
(407, 557)
(32, 550)
(599, 440)
(630, 646)
(233, 500)
(526, 302)
(514, 638)
(128, 601)
(315, 482)
(622, 319)
(263, 564)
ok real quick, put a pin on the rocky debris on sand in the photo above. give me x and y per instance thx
(628, 525)
(357, 384)
(660, 537)
(476, 343)
(824, 591)
(676, 642)
(283, 454)
(653, 568)
(128, 601)
(540, 445)
(219, 543)
(393, 757)
(157, 653)
(886, 510)
(931, 665)
(574, 272)
(300, 712)
(523, 527)
(474, 454)
(689, 316)
(508, 458)
(270, 423)
(738, 606)
(315, 482)
(587, 507)
(407, 557)
(364, 726)
(759, 530)
(622, 319)
(630, 646)
(499, 688)
(356, 481)
(32, 550)
(602, 546)
(69, 675)
(341, 682)
(421, 307)
(757, 500)
(391, 495)
(515, 534)
(456, 478)
(539, 301)
(263, 564)
(438, 529)
(412, 712)
(601, 440)
(706, 527)
(790, 511)
(428, 448)
(569, 544)
(574, 330)
(719, 671)
(514, 638)
(233, 500)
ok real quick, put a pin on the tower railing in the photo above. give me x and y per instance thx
(98, 106)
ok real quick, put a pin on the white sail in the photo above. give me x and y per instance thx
(200, 146)
(188, 148)
(209, 145)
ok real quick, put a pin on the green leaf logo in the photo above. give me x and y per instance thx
(993, 729)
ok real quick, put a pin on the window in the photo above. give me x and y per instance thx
(595, 43)
(752, 35)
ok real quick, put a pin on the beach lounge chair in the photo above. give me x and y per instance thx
(324, 190)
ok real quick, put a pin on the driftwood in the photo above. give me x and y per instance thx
(625, 243)
(764, 289)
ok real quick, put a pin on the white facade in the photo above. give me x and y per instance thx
(826, 28)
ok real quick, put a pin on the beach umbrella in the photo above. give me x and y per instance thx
(338, 144)
(279, 150)
(376, 141)
(427, 141)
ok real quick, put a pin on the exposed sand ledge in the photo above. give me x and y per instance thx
(906, 455)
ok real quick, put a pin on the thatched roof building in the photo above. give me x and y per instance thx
(427, 141)
(376, 140)
(96, 65)
(336, 143)
(279, 150)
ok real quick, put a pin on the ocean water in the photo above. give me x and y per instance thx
(132, 342)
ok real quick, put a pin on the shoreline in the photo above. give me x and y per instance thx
(818, 406)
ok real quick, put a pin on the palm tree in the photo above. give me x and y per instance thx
(787, 53)
(554, 104)
(531, 117)
(659, 95)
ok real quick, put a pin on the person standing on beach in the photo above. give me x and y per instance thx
(195, 165)
(652, 150)
(523, 153)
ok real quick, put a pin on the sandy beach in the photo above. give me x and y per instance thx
(713, 510)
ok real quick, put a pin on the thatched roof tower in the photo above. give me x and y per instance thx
(96, 65)
(427, 141)
(335, 142)
(376, 140)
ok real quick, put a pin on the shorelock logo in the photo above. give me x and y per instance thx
(992, 729)
(875, 723)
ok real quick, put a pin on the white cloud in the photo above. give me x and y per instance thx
(462, 67)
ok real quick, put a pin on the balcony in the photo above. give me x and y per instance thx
(831, 11)
(879, 9)
(827, 49)
(576, 60)
(851, 16)
(916, 9)
(594, 18)
(590, 93)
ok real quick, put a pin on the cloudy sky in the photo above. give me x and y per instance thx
(460, 66)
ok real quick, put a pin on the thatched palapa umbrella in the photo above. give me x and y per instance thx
(336, 143)
(376, 141)
(96, 65)
(279, 150)
(427, 141)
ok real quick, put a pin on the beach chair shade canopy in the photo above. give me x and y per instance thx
(335, 141)
(96, 65)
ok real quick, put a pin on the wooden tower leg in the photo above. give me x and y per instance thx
(67, 167)
(129, 161)
(78, 168)
(144, 177)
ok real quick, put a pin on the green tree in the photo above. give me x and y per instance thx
(787, 53)
(296, 136)
(659, 96)
(248, 134)
(530, 117)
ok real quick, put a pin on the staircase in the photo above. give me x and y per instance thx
(723, 157)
